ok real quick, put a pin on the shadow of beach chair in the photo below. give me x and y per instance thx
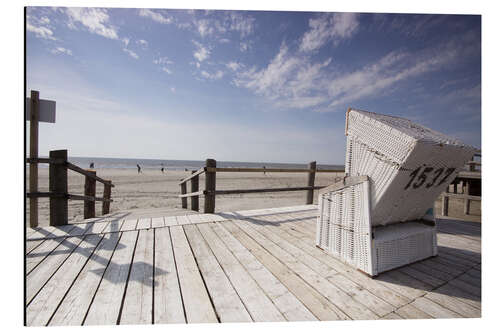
(376, 218)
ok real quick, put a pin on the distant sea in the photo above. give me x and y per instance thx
(131, 163)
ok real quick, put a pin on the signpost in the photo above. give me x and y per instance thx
(37, 110)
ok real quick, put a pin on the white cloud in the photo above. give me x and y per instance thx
(61, 50)
(172, 89)
(224, 40)
(125, 41)
(96, 20)
(213, 76)
(201, 52)
(329, 27)
(163, 61)
(203, 27)
(385, 73)
(242, 24)
(244, 46)
(143, 43)
(45, 20)
(234, 65)
(131, 53)
(41, 32)
(155, 16)
(39, 27)
(166, 70)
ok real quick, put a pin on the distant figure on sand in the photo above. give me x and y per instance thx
(264, 167)
(91, 165)
(138, 169)
(162, 168)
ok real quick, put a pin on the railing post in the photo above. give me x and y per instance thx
(184, 201)
(444, 207)
(310, 182)
(107, 196)
(194, 188)
(58, 183)
(89, 206)
(34, 154)
(210, 177)
(466, 200)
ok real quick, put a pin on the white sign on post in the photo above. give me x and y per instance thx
(47, 110)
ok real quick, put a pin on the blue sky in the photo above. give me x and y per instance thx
(246, 85)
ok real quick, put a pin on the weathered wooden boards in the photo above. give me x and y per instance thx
(259, 265)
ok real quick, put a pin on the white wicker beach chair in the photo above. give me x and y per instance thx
(395, 170)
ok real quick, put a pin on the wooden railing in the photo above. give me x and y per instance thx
(210, 192)
(58, 189)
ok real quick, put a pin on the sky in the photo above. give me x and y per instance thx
(263, 86)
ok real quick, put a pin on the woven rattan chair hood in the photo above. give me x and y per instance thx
(395, 170)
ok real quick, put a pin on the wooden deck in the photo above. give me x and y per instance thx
(259, 265)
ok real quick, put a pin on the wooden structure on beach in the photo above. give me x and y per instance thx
(210, 170)
(258, 265)
(58, 189)
(470, 180)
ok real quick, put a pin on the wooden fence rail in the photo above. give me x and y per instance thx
(58, 189)
(210, 192)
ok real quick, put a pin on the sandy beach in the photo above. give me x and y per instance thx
(153, 190)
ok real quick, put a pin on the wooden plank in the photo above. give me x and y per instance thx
(314, 301)
(433, 309)
(88, 228)
(467, 287)
(335, 295)
(168, 306)
(291, 308)
(460, 295)
(409, 311)
(157, 222)
(266, 190)
(197, 304)
(404, 284)
(105, 307)
(432, 271)
(194, 218)
(47, 300)
(113, 226)
(50, 232)
(258, 304)
(227, 303)
(170, 221)
(129, 225)
(33, 173)
(138, 302)
(454, 304)
(31, 245)
(58, 183)
(37, 277)
(422, 276)
(359, 294)
(182, 220)
(75, 304)
(210, 186)
(392, 316)
(378, 289)
(40, 253)
(144, 223)
(471, 280)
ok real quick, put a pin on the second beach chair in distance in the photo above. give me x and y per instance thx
(395, 170)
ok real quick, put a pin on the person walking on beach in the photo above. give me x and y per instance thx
(264, 167)
(162, 168)
(138, 169)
